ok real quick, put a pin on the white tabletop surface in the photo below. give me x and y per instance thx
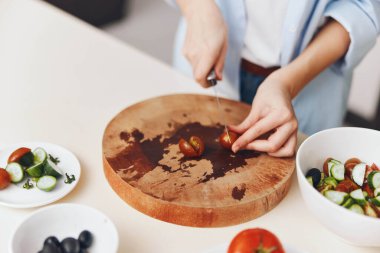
(62, 80)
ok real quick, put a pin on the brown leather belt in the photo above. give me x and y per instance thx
(256, 69)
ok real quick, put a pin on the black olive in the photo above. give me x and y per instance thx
(52, 240)
(70, 245)
(85, 239)
(51, 248)
(315, 175)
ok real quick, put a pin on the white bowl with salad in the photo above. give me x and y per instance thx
(338, 173)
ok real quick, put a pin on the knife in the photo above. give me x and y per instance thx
(211, 79)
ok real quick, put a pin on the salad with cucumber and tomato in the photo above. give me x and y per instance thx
(354, 185)
(32, 168)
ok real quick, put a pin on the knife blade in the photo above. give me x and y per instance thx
(211, 79)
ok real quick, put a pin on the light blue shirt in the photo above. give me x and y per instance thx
(322, 103)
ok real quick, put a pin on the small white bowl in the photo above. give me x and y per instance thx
(342, 144)
(65, 220)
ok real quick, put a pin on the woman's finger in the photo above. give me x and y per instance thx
(275, 141)
(206, 63)
(262, 126)
(288, 149)
(251, 119)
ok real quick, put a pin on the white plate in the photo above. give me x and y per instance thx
(18, 197)
(64, 220)
(224, 247)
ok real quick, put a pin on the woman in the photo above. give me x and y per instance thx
(295, 58)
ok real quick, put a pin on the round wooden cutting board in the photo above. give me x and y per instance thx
(143, 164)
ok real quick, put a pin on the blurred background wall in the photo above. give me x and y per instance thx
(150, 26)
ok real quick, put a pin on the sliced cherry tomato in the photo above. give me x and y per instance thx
(5, 179)
(255, 240)
(348, 169)
(192, 148)
(347, 185)
(226, 140)
(374, 167)
(353, 160)
(17, 154)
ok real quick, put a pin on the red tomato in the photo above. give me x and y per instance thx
(192, 148)
(227, 142)
(347, 185)
(353, 160)
(374, 167)
(5, 179)
(17, 154)
(255, 240)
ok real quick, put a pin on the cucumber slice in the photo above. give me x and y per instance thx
(330, 181)
(15, 171)
(376, 201)
(335, 161)
(52, 169)
(336, 197)
(358, 196)
(329, 166)
(40, 155)
(310, 180)
(36, 170)
(376, 192)
(337, 171)
(348, 203)
(356, 209)
(358, 173)
(46, 183)
(374, 179)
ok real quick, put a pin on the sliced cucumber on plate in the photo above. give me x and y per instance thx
(36, 170)
(40, 155)
(52, 169)
(46, 183)
(16, 172)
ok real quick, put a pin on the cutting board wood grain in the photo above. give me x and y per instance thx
(144, 166)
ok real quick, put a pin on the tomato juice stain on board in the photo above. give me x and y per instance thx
(143, 155)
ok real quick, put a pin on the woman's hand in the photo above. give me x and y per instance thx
(272, 108)
(206, 38)
(271, 111)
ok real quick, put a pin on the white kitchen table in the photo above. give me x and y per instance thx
(62, 80)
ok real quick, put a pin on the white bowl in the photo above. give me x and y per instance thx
(65, 220)
(342, 144)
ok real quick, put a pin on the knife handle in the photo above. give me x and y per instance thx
(211, 78)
